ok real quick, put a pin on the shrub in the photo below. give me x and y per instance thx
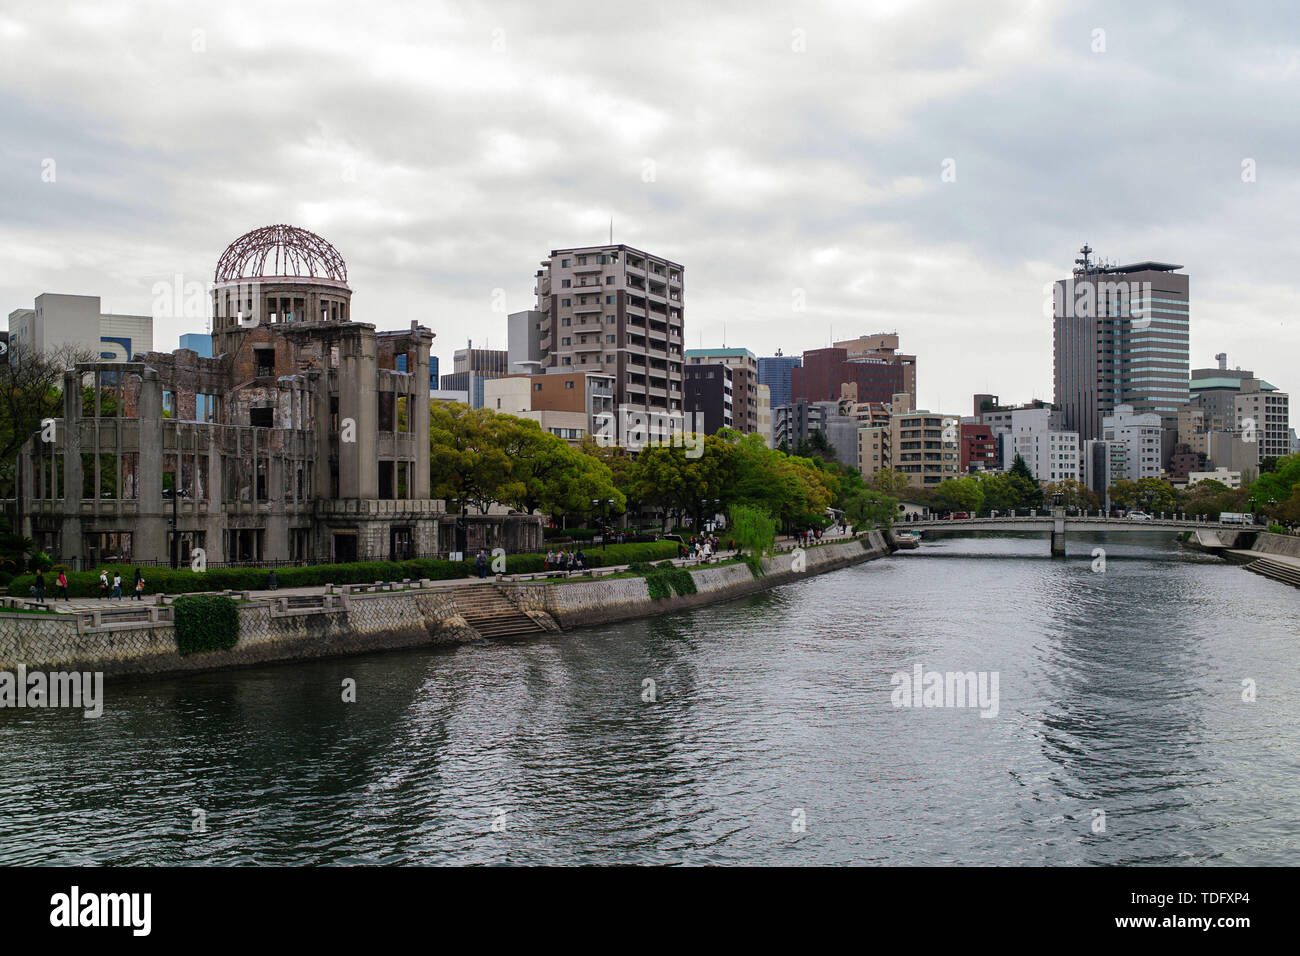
(205, 622)
(662, 582)
(185, 581)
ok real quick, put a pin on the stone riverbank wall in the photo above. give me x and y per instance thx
(339, 624)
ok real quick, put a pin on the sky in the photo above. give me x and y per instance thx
(822, 170)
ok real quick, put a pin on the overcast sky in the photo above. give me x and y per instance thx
(783, 152)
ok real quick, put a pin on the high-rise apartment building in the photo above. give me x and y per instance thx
(744, 382)
(708, 390)
(1262, 417)
(1120, 337)
(617, 310)
(924, 446)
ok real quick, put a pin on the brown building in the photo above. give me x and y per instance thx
(824, 371)
(883, 346)
(979, 449)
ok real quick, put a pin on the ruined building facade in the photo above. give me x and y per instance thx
(305, 439)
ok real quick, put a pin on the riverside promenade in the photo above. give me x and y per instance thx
(143, 638)
(76, 605)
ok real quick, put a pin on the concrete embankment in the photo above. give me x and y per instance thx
(1275, 556)
(602, 602)
(141, 641)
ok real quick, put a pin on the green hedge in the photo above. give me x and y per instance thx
(205, 622)
(184, 581)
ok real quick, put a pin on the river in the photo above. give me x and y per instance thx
(770, 733)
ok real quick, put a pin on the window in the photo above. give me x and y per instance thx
(567, 340)
(566, 283)
(206, 407)
(169, 404)
(609, 280)
(537, 386)
(401, 362)
(609, 339)
(261, 417)
(568, 384)
(265, 359)
(582, 260)
(566, 302)
(565, 263)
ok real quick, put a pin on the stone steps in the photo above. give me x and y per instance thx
(493, 614)
(1277, 570)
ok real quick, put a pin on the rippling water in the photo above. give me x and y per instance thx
(1120, 691)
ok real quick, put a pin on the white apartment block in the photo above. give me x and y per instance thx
(1263, 416)
(1140, 435)
(1051, 455)
(1222, 475)
(76, 320)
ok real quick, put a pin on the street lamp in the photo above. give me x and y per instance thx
(605, 504)
(462, 531)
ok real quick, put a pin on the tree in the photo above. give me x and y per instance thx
(31, 390)
(467, 459)
(753, 530)
(960, 494)
(1276, 485)
(867, 508)
(889, 482)
(550, 475)
(1074, 494)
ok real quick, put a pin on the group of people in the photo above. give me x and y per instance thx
(808, 536)
(702, 547)
(565, 561)
(38, 589)
(106, 589)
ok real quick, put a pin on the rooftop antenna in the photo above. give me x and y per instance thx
(724, 334)
(611, 230)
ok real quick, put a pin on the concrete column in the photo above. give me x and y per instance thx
(1058, 532)
(358, 400)
(70, 433)
(150, 540)
(419, 482)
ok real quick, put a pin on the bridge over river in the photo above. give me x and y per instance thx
(1057, 524)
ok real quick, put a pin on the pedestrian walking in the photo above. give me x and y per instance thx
(63, 584)
(103, 584)
(139, 585)
(39, 589)
(117, 585)
(481, 562)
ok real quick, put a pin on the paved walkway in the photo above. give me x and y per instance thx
(83, 604)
